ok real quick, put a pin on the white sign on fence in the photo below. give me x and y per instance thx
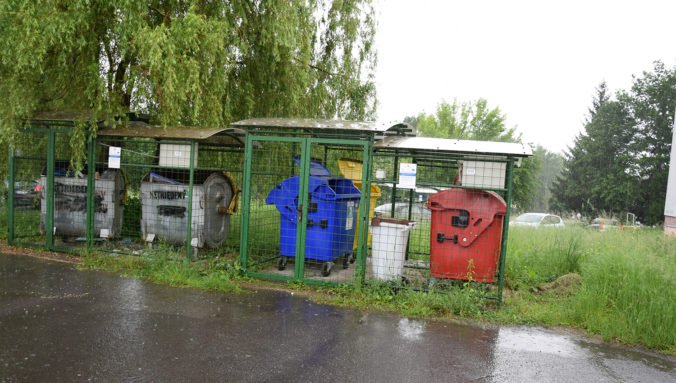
(114, 157)
(407, 174)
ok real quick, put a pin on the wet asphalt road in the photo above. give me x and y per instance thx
(60, 324)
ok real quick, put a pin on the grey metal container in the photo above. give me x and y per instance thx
(70, 205)
(165, 209)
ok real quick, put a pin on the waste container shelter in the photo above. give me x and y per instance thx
(461, 231)
(89, 170)
(353, 169)
(330, 214)
(184, 181)
(333, 204)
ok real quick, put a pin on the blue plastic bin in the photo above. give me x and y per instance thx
(332, 219)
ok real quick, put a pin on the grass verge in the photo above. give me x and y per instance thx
(169, 266)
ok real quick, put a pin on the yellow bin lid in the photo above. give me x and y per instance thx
(351, 169)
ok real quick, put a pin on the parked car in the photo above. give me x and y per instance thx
(418, 211)
(603, 224)
(538, 220)
(26, 194)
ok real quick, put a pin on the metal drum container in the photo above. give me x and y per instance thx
(165, 208)
(70, 204)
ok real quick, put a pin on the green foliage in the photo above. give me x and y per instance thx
(472, 120)
(620, 162)
(186, 62)
(475, 120)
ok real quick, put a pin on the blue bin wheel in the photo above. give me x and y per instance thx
(281, 263)
(347, 259)
(326, 268)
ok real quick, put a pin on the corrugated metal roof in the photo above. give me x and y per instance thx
(133, 129)
(228, 136)
(318, 124)
(455, 146)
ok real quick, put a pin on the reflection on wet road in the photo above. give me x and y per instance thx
(60, 324)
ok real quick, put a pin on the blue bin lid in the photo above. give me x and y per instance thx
(316, 167)
(328, 189)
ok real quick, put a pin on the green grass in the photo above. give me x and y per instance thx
(167, 266)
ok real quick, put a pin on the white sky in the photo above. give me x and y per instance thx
(539, 61)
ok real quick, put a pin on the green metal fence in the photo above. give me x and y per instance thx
(298, 225)
(142, 187)
(322, 202)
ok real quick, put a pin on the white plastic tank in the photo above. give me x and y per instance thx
(390, 237)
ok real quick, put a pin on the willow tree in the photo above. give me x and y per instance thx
(190, 62)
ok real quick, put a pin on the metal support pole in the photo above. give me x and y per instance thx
(364, 209)
(190, 189)
(49, 219)
(10, 196)
(91, 187)
(246, 203)
(326, 155)
(301, 229)
(505, 230)
(395, 171)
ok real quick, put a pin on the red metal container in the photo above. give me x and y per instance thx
(466, 234)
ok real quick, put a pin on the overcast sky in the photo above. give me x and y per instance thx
(539, 61)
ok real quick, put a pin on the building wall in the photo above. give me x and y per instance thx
(670, 202)
(670, 225)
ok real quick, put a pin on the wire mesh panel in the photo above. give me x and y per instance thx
(29, 163)
(167, 193)
(274, 188)
(444, 227)
(333, 212)
(303, 217)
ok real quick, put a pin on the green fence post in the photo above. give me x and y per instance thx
(365, 206)
(301, 229)
(49, 219)
(246, 202)
(10, 196)
(91, 188)
(395, 173)
(505, 230)
(190, 188)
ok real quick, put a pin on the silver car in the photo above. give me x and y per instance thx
(538, 220)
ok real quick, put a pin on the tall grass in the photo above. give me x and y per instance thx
(542, 255)
(628, 289)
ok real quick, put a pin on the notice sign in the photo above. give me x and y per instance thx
(114, 156)
(407, 173)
